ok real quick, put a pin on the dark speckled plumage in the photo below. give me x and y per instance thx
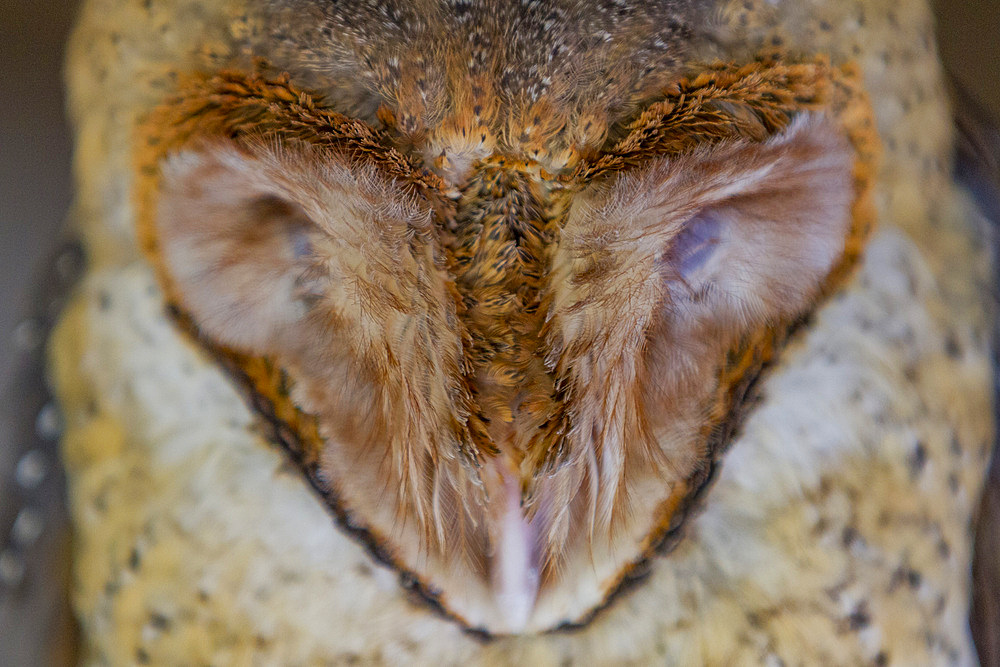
(596, 58)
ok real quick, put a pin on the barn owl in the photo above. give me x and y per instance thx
(522, 332)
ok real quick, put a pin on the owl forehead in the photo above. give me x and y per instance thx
(531, 77)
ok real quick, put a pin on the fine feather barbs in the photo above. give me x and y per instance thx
(506, 367)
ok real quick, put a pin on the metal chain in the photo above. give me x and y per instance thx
(34, 526)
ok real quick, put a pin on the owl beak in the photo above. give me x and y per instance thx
(514, 564)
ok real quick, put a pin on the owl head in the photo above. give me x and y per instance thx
(502, 277)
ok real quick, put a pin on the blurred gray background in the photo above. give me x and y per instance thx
(35, 197)
(34, 150)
